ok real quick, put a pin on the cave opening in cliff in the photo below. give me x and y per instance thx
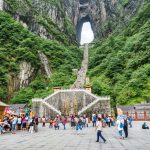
(87, 35)
(84, 30)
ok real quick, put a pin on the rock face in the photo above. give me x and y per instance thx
(45, 18)
(104, 15)
(1, 4)
(26, 72)
(45, 64)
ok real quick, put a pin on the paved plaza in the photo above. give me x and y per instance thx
(49, 139)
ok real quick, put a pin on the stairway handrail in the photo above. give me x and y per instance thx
(92, 103)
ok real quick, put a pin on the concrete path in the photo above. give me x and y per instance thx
(49, 139)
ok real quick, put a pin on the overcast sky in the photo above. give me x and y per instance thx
(87, 35)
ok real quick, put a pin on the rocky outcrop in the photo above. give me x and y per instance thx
(45, 18)
(104, 15)
(45, 64)
(1, 4)
(26, 72)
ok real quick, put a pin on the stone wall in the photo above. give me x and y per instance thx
(67, 101)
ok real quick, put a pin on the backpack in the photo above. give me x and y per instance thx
(121, 125)
(94, 118)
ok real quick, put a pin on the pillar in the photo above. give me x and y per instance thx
(88, 88)
(56, 89)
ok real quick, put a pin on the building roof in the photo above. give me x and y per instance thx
(126, 108)
(17, 106)
(3, 104)
(135, 107)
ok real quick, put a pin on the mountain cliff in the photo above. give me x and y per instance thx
(120, 64)
(39, 44)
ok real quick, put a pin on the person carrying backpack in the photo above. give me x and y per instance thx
(94, 120)
(120, 125)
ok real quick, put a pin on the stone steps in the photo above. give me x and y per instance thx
(81, 76)
(93, 103)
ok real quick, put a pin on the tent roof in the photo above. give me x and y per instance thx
(3, 104)
(17, 106)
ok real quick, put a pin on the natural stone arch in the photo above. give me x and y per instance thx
(80, 23)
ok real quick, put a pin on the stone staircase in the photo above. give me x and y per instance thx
(51, 107)
(81, 76)
(54, 102)
(92, 104)
(42, 103)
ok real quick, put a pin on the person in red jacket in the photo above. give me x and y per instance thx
(64, 121)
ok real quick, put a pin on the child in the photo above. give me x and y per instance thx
(50, 123)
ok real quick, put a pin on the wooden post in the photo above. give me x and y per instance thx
(136, 116)
(145, 115)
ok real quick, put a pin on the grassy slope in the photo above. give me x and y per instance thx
(120, 64)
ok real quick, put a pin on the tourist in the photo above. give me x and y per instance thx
(14, 123)
(24, 122)
(64, 121)
(145, 126)
(130, 121)
(7, 124)
(1, 127)
(73, 124)
(99, 115)
(87, 121)
(31, 125)
(36, 122)
(19, 123)
(56, 123)
(106, 119)
(112, 121)
(99, 130)
(43, 121)
(83, 122)
(50, 123)
(78, 125)
(94, 120)
(109, 121)
(120, 124)
(125, 127)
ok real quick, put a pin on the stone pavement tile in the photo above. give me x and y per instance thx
(49, 139)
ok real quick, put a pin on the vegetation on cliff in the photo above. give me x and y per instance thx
(120, 64)
(17, 44)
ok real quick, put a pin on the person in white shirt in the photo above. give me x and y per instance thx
(19, 123)
(99, 130)
(14, 122)
(120, 125)
(87, 122)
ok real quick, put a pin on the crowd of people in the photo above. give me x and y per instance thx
(11, 123)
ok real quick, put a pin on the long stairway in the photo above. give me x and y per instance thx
(81, 76)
